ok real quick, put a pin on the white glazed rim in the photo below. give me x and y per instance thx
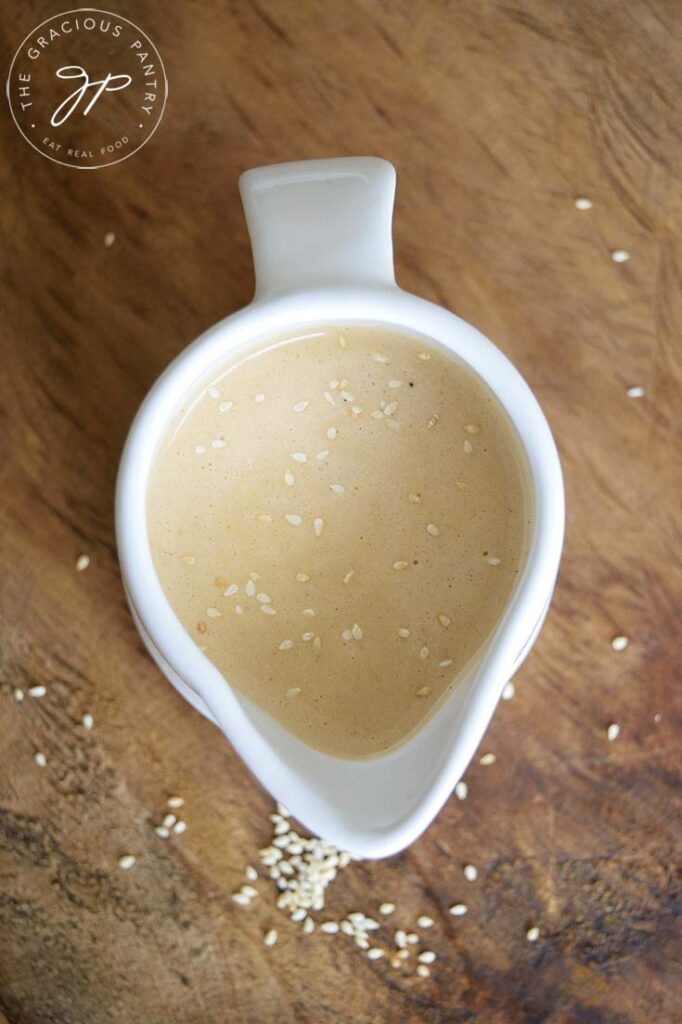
(390, 306)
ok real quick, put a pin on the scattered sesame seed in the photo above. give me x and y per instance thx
(293, 519)
(487, 759)
(620, 255)
(333, 384)
(169, 820)
(357, 631)
(161, 831)
(238, 609)
(317, 643)
(427, 957)
(255, 576)
(395, 384)
(249, 891)
(356, 409)
(349, 576)
(241, 899)
(386, 908)
(412, 938)
(414, 498)
(461, 790)
(260, 397)
(18, 694)
(377, 414)
(302, 577)
(264, 518)
(619, 643)
(636, 392)
(424, 356)
(270, 937)
(468, 447)
(390, 408)
(318, 523)
(231, 590)
(470, 872)
(308, 926)
(509, 691)
(444, 620)
(472, 428)
(423, 691)
(432, 529)
(82, 562)
(213, 392)
(179, 827)
(424, 653)
(37, 691)
(446, 663)
(293, 692)
(582, 203)
(533, 934)
(337, 488)
(458, 909)
(329, 927)
(200, 450)
(432, 422)
(218, 443)
(126, 862)
(299, 457)
(299, 914)
(309, 612)
(301, 406)
(400, 939)
(613, 732)
(378, 358)
(424, 921)
(109, 239)
(402, 632)
(225, 406)
(87, 721)
(289, 478)
(263, 598)
(175, 802)
(658, 717)
(189, 559)
(423, 971)
(329, 398)
(375, 953)
(267, 609)
(286, 645)
(213, 613)
(40, 759)
(493, 560)
(331, 433)
(399, 565)
(321, 456)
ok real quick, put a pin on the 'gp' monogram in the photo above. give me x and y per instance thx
(112, 83)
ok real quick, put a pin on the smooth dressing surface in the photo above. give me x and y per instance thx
(338, 518)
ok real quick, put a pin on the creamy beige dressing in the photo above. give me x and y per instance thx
(338, 519)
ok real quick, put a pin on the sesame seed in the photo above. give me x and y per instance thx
(427, 957)
(299, 914)
(189, 559)
(213, 613)
(109, 239)
(357, 632)
(386, 908)
(321, 456)
(423, 971)
(250, 873)
(432, 422)
(264, 518)
(375, 953)
(493, 560)
(299, 457)
(620, 255)
(347, 634)
(218, 443)
(347, 397)
(126, 862)
(349, 576)
(414, 498)
(318, 523)
(487, 759)
(310, 612)
(82, 562)
(458, 909)
(308, 926)
(231, 590)
(658, 717)
(213, 392)
(179, 827)
(337, 488)
(424, 653)
(270, 937)
(402, 632)
(472, 428)
(390, 408)
(446, 663)
(301, 406)
(400, 939)
(40, 759)
(356, 409)
(377, 414)
(333, 384)
(302, 577)
(260, 397)
(509, 691)
(423, 691)
(289, 478)
(200, 450)
(444, 620)
(293, 692)
(169, 820)
(225, 406)
(286, 645)
(238, 609)
(432, 529)
(263, 598)
(347, 928)
(249, 891)
(241, 899)
(395, 384)
(399, 565)
(533, 934)
(470, 872)
(378, 358)
(175, 802)
(37, 691)
(619, 643)
(613, 732)
(161, 831)
(636, 392)
(331, 433)
(468, 447)
(329, 398)
(461, 790)
(582, 203)
(329, 927)
(424, 356)
(424, 921)
(293, 519)
(87, 721)
(18, 694)
(267, 609)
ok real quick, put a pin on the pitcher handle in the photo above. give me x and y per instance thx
(318, 223)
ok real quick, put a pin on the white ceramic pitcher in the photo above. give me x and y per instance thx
(321, 237)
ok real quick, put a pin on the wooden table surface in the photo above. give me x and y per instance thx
(496, 116)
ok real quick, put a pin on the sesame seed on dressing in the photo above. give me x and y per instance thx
(289, 478)
(349, 576)
(444, 620)
(337, 488)
(259, 397)
(189, 559)
(432, 529)
(225, 406)
(318, 524)
(286, 645)
(403, 632)
(379, 358)
(468, 447)
(302, 577)
(399, 565)
(432, 422)
(299, 457)
(424, 356)
(292, 518)
(493, 560)
(423, 691)
(293, 691)
(301, 406)
(214, 392)
(332, 432)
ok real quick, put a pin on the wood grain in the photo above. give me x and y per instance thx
(496, 115)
